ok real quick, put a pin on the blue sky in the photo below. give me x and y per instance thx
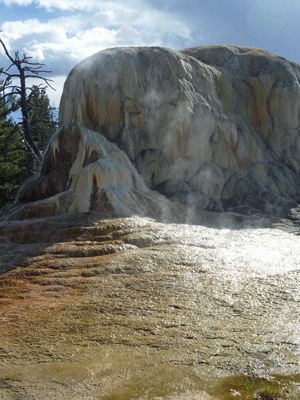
(60, 33)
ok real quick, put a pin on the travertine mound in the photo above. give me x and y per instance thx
(260, 94)
(82, 171)
(213, 128)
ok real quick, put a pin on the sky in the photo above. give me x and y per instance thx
(60, 33)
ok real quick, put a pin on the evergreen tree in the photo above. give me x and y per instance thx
(23, 70)
(42, 117)
(22, 144)
(12, 153)
(13, 156)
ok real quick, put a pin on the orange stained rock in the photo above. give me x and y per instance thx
(257, 107)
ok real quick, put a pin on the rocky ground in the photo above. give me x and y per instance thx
(129, 308)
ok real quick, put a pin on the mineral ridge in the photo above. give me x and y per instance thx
(150, 129)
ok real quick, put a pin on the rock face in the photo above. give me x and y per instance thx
(213, 128)
(260, 94)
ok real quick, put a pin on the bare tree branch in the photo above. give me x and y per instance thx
(6, 52)
(8, 94)
(26, 70)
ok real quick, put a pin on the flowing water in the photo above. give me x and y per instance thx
(172, 309)
(234, 295)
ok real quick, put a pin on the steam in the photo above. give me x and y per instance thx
(170, 137)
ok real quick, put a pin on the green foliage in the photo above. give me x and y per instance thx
(42, 117)
(251, 387)
(22, 144)
(32, 101)
(13, 154)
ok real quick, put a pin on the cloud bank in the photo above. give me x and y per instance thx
(60, 33)
(70, 31)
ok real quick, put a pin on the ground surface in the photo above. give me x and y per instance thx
(134, 309)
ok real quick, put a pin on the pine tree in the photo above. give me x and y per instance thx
(22, 144)
(42, 117)
(12, 153)
(13, 156)
(24, 70)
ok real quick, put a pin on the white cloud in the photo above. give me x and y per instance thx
(62, 42)
(55, 95)
(48, 4)
(81, 35)
(138, 5)
(18, 2)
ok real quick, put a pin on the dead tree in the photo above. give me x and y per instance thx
(25, 69)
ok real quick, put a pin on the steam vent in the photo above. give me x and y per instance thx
(155, 132)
